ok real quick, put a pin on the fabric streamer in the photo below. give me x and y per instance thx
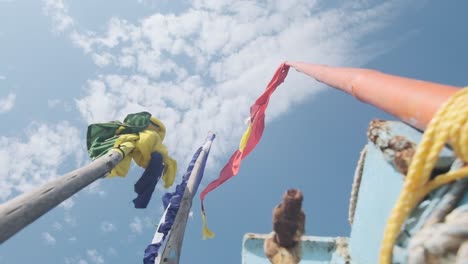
(248, 141)
(172, 201)
(143, 134)
(145, 186)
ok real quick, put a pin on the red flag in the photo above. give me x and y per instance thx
(248, 142)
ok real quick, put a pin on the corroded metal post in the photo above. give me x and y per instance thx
(283, 246)
(26, 208)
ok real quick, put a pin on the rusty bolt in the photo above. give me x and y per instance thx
(402, 160)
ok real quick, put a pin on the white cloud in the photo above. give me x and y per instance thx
(56, 103)
(102, 60)
(112, 252)
(201, 69)
(7, 103)
(58, 11)
(94, 256)
(57, 226)
(72, 239)
(107, 227)
(49, 239)
(149, 222)
(75, 260)
(96, 188)
(136, 225)
(69, 219)
(37, 157)
(53, 103)
(67, 204)
(2, 77)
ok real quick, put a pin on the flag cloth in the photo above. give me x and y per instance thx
(171, 202)
(145, 186)
(248, 141)
(144, 134)
(101, 137)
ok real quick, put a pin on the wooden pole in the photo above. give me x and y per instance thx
(26, 208)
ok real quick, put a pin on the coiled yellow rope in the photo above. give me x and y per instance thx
(449, 125)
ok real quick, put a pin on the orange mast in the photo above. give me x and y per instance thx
(413, 101)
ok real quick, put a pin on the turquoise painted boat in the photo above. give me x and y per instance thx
(436, 229)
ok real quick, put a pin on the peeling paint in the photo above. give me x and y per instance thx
(342, 249)
(397, 149)
(402, 159)
(315, 250)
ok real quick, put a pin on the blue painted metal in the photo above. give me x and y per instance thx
(316, 250)
(380, 186)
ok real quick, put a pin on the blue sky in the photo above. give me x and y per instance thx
(198, 65)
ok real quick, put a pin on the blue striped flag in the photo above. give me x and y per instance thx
(171, 201)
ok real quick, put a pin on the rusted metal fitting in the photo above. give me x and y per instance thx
(397, 150)
(284, 243)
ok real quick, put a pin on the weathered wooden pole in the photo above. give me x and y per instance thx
(171, 253)
(26, 208)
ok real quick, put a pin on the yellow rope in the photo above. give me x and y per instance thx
(449, 125)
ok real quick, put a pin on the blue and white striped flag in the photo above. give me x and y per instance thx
(173, 200)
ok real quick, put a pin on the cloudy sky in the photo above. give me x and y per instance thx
(198, 65)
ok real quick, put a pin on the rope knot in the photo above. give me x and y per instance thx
(448, 126)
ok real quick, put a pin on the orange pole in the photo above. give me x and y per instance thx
(413, 101)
